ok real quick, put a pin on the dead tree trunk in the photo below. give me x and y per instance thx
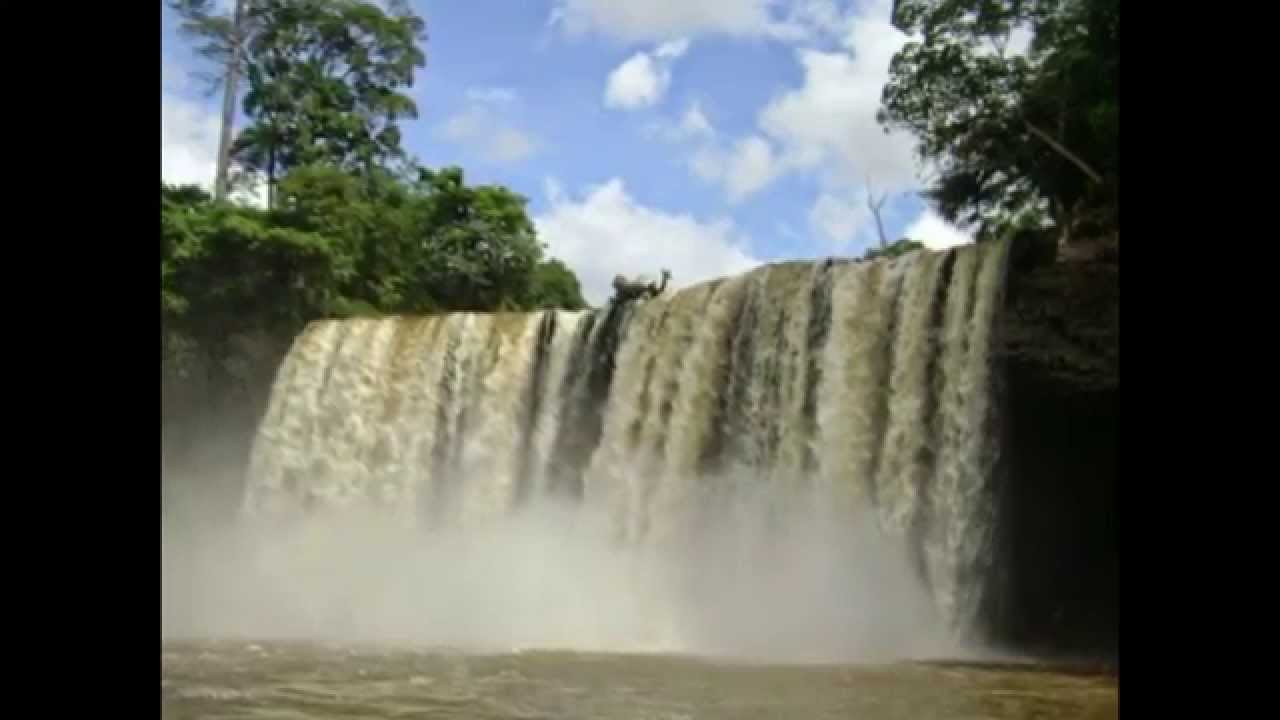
(875, 204)
(221, 181)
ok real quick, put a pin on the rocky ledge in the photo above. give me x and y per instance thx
(1061, 324)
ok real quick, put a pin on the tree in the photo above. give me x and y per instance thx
(338, 245)
(875, 204)
(1015, 140)
(326, 85)
(554, 285)
(228, 270)
(372, 215)
(479, 246)
(426, 244)
(223, 40)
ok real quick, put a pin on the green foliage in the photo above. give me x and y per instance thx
(480, 245)
(346, 308)
(341, 245)
(327, 82)
(228, 270)
(555, 286)
(893, 249)
(1015, 140)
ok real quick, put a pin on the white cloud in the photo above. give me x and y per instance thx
(935, 232)
(672, 49)
(189, 134)
(752, 165)
(708, 163)
(508, 146)
(831, 119)
(481, 126)
(742, 168)
(695, 122)
(642, 79)
(825, 127)
(188, 142)
(635, 83)
(839, 219)
(608, 232)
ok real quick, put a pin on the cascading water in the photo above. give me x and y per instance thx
(810, 391)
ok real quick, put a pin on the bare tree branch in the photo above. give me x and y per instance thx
(875, 205)
(1063, 151)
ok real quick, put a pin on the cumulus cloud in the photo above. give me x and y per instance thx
(708, 163)
(606, 232)
(839, 219)
(743, 168)
(481, 126)
(642, 79)
(935, 232)
(825, 127)
(692, 125)
(830, 120)
(695, 122)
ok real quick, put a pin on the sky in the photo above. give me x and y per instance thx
(703, 136)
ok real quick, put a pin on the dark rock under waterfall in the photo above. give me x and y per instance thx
(1059, 545)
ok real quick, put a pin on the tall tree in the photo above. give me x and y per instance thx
(327, 82)
(222, 40)
(1015, 139)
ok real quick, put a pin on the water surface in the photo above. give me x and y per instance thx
(274, 680)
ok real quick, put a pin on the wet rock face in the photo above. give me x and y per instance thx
(1061, 422)
(1062, 324)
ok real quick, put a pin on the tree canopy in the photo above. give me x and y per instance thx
(1014, 140)
(340, 244)
(353, 224)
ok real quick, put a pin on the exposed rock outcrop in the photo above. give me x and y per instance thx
(1059, 544)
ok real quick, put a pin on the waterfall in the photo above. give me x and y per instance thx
(827, 389)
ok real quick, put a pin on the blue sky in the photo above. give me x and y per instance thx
(706, 136)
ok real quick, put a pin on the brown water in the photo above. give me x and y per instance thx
(240, 680)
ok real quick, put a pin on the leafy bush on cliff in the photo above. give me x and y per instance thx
(893, 249)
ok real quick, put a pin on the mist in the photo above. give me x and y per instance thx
(755, 583)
